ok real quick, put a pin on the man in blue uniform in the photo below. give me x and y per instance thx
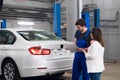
(82, 36)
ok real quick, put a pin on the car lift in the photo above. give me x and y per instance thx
(3, 23)
(57, 19)
(86, 17)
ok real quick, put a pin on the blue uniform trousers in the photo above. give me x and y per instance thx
(79, 67)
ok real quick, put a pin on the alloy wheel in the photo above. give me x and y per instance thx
(9, 71)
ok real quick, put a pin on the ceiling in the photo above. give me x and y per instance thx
(15, 12)
(52, 1)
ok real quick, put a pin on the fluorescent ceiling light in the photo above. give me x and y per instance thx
(27, 11)
(25, 23)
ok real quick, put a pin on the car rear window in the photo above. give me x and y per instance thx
(38, 35)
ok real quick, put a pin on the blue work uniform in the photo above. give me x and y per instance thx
(79, 64)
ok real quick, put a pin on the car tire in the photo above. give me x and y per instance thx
(10, 70)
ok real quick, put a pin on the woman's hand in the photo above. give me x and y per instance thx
(84, 51)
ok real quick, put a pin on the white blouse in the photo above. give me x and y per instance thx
(95, 58)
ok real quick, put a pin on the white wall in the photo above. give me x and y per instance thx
(45, 25)
(72, 17)
(110, 25)
(108, 8)
(37, 25)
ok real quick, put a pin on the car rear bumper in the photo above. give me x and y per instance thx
(37, 72)
(50, 67)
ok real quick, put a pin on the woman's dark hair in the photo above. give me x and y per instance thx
(80, 22)
(97, 35)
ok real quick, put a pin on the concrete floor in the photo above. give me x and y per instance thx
(112, 72)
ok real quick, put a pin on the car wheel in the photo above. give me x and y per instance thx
(10, 71)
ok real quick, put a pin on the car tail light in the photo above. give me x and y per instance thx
(39, 51)
(46, 51)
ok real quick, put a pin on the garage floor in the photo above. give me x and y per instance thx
(112, 72)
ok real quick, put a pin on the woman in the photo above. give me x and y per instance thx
(95, 54)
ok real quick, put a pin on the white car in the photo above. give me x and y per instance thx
(31, 52)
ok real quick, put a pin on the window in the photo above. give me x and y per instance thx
(6, 37)
(11, 39)
(38, 35)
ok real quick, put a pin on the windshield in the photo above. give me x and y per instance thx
(38, 35)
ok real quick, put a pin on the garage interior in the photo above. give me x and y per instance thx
(43, 14)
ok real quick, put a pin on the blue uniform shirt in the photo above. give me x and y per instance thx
(83, 40)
